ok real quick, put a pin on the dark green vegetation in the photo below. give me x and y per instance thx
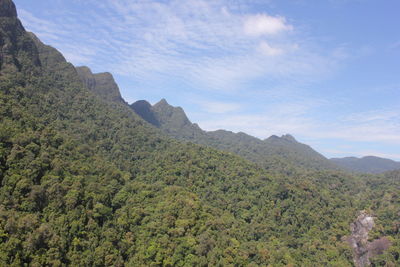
(86, 182)
(274, 152)
(368, 164)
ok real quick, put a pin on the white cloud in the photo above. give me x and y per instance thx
(45, 29)
(276, 118)
(56, 34)
(259, 125)
(373, 116)
(213, 48)
(195, 42)
(380, 127)
(268, 50)
(263, 24)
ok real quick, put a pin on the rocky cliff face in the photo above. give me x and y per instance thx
(7, 9)
(17, 51)
(363, 250)
(102, 84)
(359, 238)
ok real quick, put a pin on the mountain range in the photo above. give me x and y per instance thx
(88, 180)
(274, 150)
(271, 151)
(369, 164)
(174, 122)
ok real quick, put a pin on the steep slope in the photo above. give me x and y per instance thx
(287, 147)
(274, 151)
(143, 109)
(16, 50)
(85, 182)
(369, 164)
(102, 84)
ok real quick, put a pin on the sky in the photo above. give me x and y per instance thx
(325, 71)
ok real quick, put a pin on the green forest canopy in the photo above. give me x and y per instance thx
(87, 182)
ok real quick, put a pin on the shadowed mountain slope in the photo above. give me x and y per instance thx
(369, 164)
(102, 84)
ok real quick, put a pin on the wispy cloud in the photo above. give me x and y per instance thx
(46, 29)
(276, 118)
(380, 126)
(55, 33)
(297, 119)
(218, 107)
(216, 45)
(263, 24)
(219, 50)
(268, 50)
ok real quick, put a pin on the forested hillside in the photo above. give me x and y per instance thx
(368, 164)
(274, 151)
(86, 182)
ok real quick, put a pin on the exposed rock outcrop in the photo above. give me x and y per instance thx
(174, 117)
(17, 51)
(363, 250)
(102, 84)
(7, 9)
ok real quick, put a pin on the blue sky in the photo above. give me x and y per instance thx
(325, 71)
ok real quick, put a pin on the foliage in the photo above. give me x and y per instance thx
(86, 182)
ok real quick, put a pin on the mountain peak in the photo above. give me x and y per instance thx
(273, 137)
(170, 115)
(142, 103)
(84, 69)
(18, 51)
(145, 110)
(285, 137)
(162, 102)
(102, 84)
(8, 9)
(288, 137)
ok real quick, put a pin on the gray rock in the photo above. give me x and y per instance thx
(7, 9)
(102, 84)
(362, 249)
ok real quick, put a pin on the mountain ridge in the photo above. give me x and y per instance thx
(367, 164)
(174, 122)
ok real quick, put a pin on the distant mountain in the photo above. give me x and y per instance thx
(171, 120)
(369, 164)
(274, 151)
